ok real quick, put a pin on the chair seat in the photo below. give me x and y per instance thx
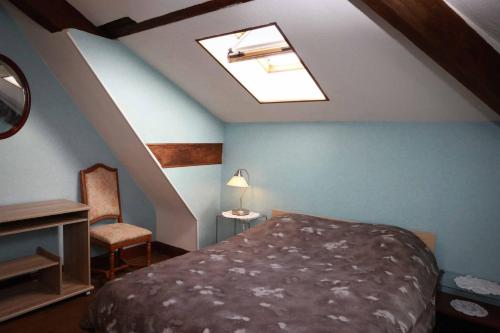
(117, 232)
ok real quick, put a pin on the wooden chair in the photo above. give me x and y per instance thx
(101, 191)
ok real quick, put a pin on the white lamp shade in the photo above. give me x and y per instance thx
(237, 181)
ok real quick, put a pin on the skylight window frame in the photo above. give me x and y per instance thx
(293, 49)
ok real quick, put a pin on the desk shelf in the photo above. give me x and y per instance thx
(38, 224)
(34, 294)
(46, 282)
(29, 264)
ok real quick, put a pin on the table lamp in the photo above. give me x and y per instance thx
(239, 181)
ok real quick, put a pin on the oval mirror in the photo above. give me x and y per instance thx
(14, 98)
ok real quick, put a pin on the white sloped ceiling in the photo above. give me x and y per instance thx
(369, 71)
(483, 16)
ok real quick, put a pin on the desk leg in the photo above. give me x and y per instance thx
(77, 252)
(234, 226)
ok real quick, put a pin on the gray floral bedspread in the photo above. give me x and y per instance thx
(294, 273)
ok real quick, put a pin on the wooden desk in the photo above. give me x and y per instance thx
(51, 280)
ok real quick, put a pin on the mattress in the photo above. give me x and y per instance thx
(293, 273)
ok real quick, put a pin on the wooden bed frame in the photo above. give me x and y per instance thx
(427, 237)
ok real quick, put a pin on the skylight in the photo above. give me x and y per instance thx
(264, 62)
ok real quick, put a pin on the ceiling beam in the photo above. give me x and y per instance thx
(174, 155)
(126, 26)
(56, 15)
(444, 36)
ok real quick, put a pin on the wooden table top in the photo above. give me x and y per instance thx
(39, 209)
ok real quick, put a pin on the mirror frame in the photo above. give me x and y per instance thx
(27, 97)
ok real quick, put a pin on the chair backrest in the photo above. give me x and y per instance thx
(101, 191)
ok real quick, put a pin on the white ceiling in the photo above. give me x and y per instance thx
(100, 12)
(482, 15)
(368, 73)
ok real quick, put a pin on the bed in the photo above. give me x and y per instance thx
(293, 273)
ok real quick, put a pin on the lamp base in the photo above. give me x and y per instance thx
(240, 211)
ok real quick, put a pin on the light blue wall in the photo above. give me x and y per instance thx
(443, 178)
(160, 112)
(42, 161)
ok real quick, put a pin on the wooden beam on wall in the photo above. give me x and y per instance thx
(173, 155)
(444, 36)
(126, 26)
(56, 15)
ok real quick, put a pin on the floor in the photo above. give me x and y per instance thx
(65, 316)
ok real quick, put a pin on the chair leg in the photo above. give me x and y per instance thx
(118, 257)
(148, 255)
(111, 265)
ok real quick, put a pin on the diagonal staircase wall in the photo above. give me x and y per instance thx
(113, 112)
(160, 112)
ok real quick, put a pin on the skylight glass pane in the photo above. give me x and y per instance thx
(265, 64)
(260, 36)
(281, 62)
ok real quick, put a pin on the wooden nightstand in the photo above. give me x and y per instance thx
(450, 320)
